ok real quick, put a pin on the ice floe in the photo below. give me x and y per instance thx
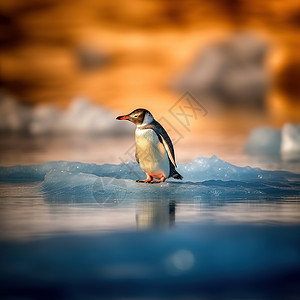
(269, 141)
(81, 117)
(204, 177)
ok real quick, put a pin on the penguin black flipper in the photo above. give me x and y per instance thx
(166, 141)
(163, 138)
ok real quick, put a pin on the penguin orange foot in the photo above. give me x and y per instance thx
(154, 149)
(158, 181)
(147, 180)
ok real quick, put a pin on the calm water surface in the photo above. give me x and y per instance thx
(27, 212)
(145, 248)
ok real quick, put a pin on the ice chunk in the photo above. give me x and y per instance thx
(81, 117)
(85, 117)
(271, 141)
(213, 168)
(290, 146)
(264, 140)
(14, 116)
(38, 172)
(81, 187)
(231, 73)
(45, 119)
(205, 177)
(202, 168)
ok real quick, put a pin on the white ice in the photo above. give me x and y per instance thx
(264, 140)
(284, 142)
(204, 177)
(81, 117)
(290, 146)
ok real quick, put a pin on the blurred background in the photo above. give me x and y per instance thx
(72, 66)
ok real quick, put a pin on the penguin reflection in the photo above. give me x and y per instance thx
(155, 214)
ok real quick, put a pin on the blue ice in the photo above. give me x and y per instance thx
(269, 141)
(204, 177)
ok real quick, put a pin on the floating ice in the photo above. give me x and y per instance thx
(231, 73)
(271, 141)
(14, 116)
(81, 117)
(45, 119)
(290, 146)
(264, 140)
(38, 172)
(202, 168)
(85, 117)
(205, 177)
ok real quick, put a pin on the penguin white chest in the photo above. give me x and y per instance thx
(152, 155)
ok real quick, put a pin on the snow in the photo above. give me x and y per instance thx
(81, 117)
(285, 142)
(204, 177)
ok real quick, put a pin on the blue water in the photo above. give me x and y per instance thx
(72, 230)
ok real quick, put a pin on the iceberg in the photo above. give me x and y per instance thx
(81, 117)
(290, 146)
(85, 117)
(264, 140)
(269, 141)
(230, 73)
(201, 169)
(114, 183)
(14, 116)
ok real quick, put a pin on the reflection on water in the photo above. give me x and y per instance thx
(159, 214)
(201, 245)
(26, 212)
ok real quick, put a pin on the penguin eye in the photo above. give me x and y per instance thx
(135, 116)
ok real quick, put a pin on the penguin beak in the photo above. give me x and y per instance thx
(122, 118)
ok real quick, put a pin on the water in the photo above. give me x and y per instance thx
(222, 233)
(27, 213)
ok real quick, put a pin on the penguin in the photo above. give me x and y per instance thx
(154, 149)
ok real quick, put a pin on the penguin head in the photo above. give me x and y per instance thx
(139, 116)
